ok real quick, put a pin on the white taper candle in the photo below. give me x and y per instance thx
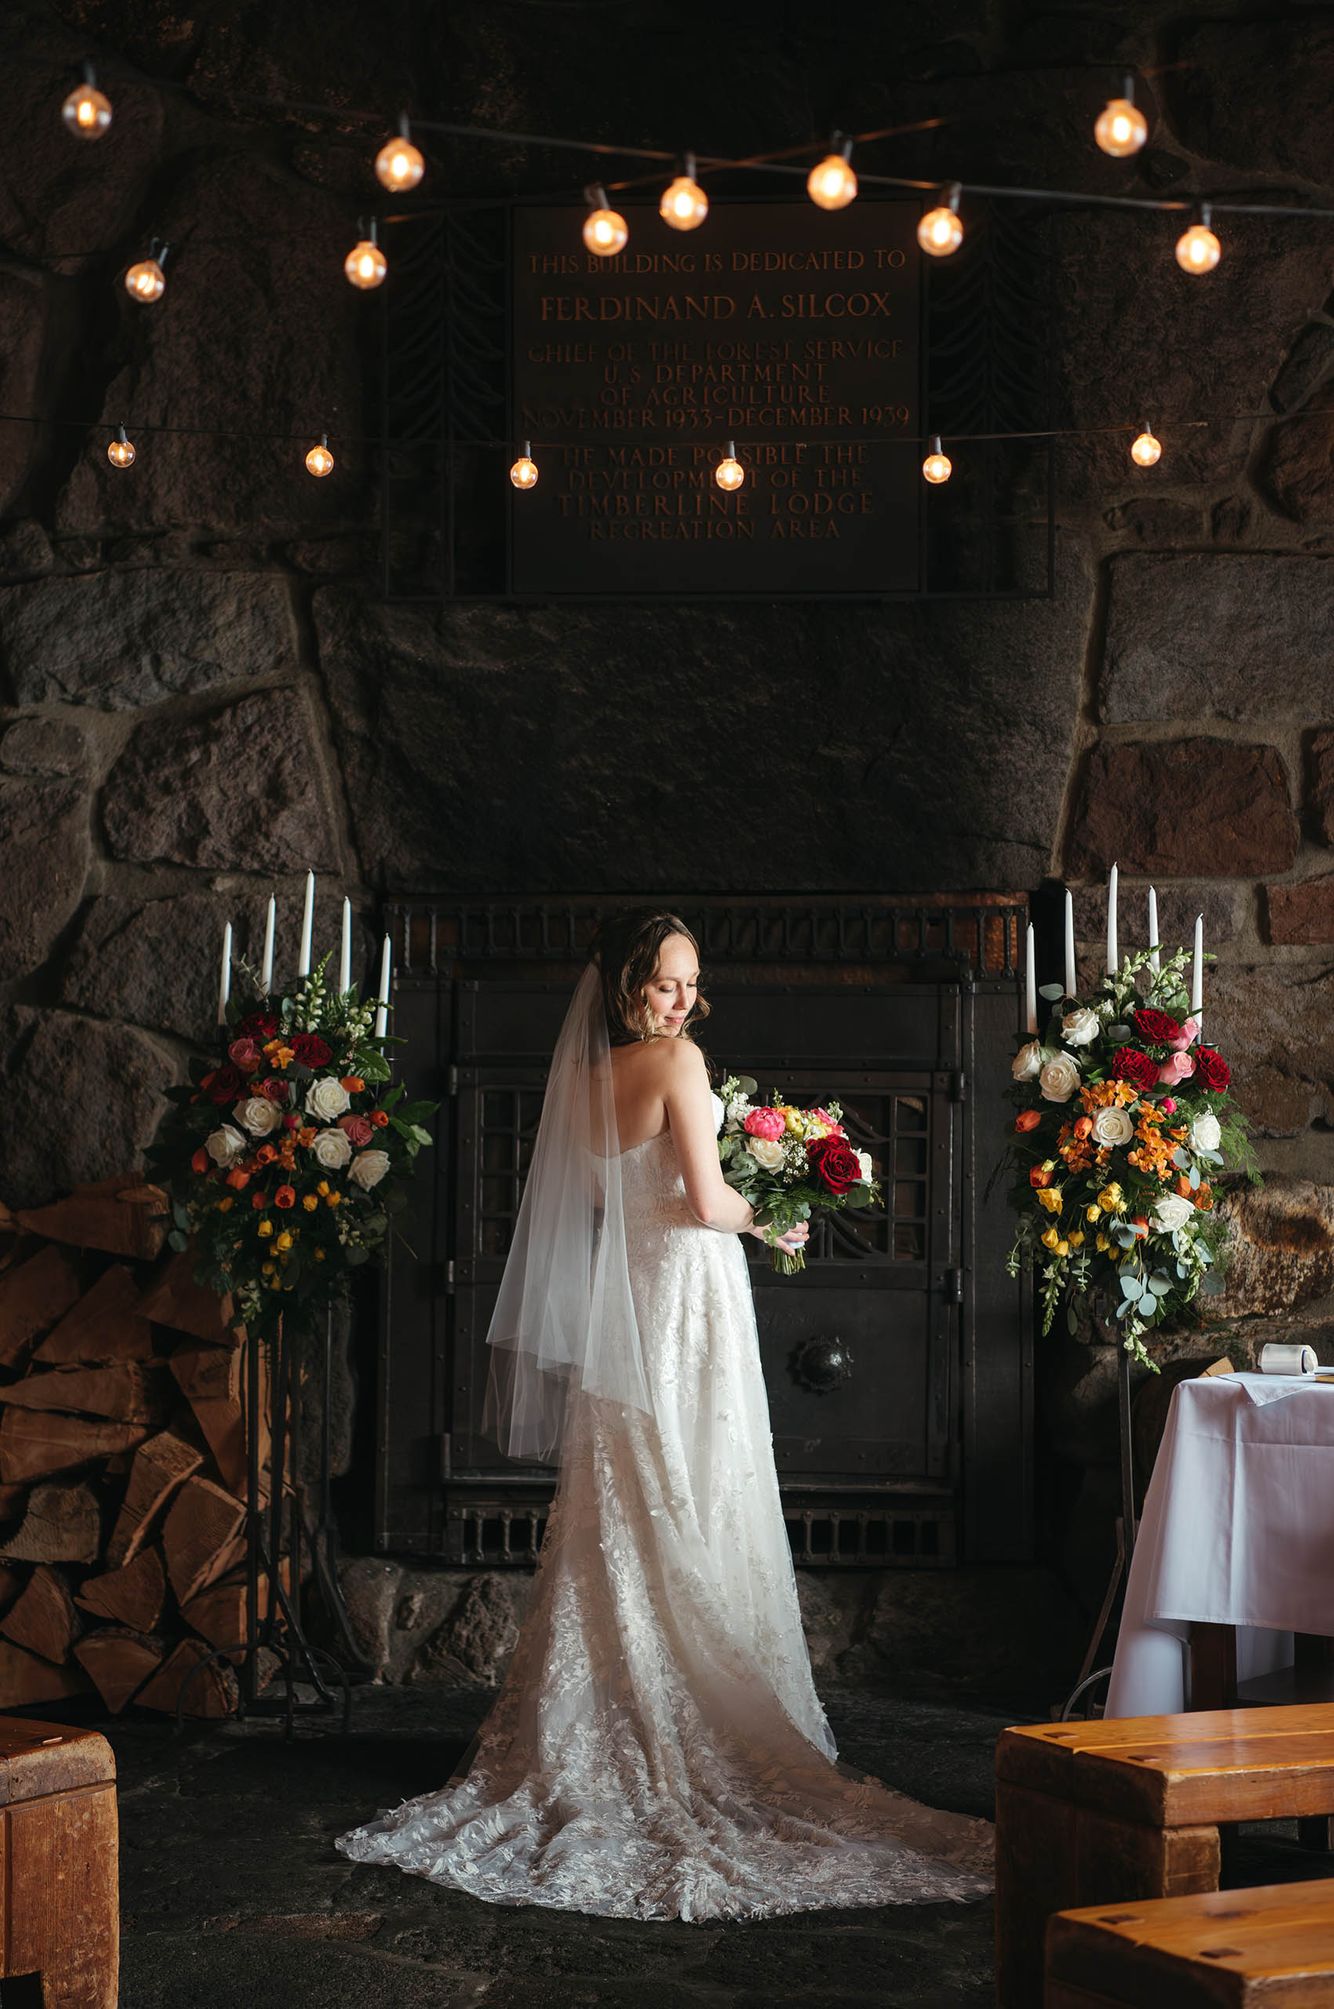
(345, 952)
(307, 927)
(225, 975)
(1030, 985)
(270, 922)
(1197, 973)
(382, 1013)
(1071, 975)
(1112, 958)
(1155, 961)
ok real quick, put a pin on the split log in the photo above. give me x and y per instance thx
(63, 1524)
(129, 1392)
(43, 1618)
(118, 1662)
(209, 1378)
(219, 1613)
(105, 1324)
(197, 1536)
(211, 1693)
(24, 1678)
(160, 1466)
(174, 1299)
(103, 1217)
(35, 1444)
(11, 1502)
(11, 1583)
(32, 1297)
(130, 1596)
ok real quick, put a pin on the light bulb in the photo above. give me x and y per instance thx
(1121, 128)
(937, 466)
(399, 165)
(524, 471)
(940, 231)
(120, 450)
(1146, 450)
(146, 281)
(1198, 250)
(831, 183)
(365, 264)
(684, 204)
(86, 112)
(319, 461)
(605, 230)
(729, 473)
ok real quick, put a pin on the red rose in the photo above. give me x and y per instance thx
(1211, 1070)
(224, 1085)
(273, 1088)
(1159, 1028)
(260, 1025)
(310, 1050)
(358, 1129)
(1129, 1064)
(835, 1162)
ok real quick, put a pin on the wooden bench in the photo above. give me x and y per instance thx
(1232, 1949)
(59, 1850)
(1101, 1813)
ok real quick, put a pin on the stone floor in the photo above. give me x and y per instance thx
(234, 1898)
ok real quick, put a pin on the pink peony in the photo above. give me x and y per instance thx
(245, 1054)
(768, 1123)
(831, 1129)
(1190, 1032)
(1168, 1105)
(359, 1130)
(1176, 1070)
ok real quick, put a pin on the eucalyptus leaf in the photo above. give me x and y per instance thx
(1130, 1286)
(1118, 1032)
(1051, 991)
(176, 1240)
(1179, 1159)
(1194, 1176)
(1124, 1310)
(1160, 1285)
(1148, 1305)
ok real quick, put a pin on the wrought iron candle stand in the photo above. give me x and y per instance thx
(1126, 1530)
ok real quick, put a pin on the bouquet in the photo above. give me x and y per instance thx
(285, 1157)
(1124, 1127)
(787, 1162)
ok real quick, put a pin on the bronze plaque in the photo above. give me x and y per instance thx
(793, 331)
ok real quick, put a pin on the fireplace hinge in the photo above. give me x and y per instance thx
(447, 1288)
(954, 1286)
(445, 1447)
(958, 1086)
(452, 1080)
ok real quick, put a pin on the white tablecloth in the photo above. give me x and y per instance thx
(1238, 1529)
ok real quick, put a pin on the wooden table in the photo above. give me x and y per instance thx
(1229, 1949)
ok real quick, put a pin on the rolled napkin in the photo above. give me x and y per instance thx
(1279, 1358)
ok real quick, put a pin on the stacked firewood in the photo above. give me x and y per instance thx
(122, 1462)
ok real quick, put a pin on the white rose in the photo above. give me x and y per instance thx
(1059, 1079)
(738, 1109)
(327, 1098)
(1205, 1132)
(1172, 1211)
(368, 1168)
(224, 1144)
(1081, 1027)
(868, 1169)
(1112, 1126)
(258, 1115)
(332, 1149)
(1027, 1063)
(766, 1151)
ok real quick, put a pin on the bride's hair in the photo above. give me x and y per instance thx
(625, 949)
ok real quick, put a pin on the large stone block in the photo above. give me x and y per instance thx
(239, 788)
(1320, 757)
(118, 639)
(1232, 635)
(1186, 807)
(1297, 469)
(807, 747)
(45, 843)
(1177, 908)
(23, 317)
(1304, 913)
(1254, 94)
(1275, 1024)
(1282, 1248)
(82, 1099)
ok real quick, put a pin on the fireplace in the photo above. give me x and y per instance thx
(898, 1365)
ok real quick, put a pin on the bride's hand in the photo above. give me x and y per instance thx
(795, 1238)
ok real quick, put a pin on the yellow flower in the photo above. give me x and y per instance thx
(323, 1188)
(333, 1199)
(319, 1255)
(1093, 1213)
(311, 1201)
(1051, 1239)
(1077, 1239)
(284, 1240)
(265, 1227)
(794, 1120)
(1063, 1248)
(226, 1203)
(1102, 1244)
(266, 1269)
(1110, 1199)
(1050, 1198)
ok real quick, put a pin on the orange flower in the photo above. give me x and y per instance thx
(1039, 1176)
(305, 1138)
(285, 1196)
(199, 1160)
(1083, 1126)
(265, 1155)
(1204, 1198)
(1183, 1186)
(1027, 1119)
(353, 1083)
(226, 1203)
(236, 1177)
(257, 1199)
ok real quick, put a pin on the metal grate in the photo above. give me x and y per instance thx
(872, 1536)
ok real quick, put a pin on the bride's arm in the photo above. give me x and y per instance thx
(685, 1091)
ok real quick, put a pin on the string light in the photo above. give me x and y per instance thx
(684, 204)
(605, 230)
(120, 450)
(937, 466)
(86, 112)
(524, 471)
(1121, 127)
(365, 264)
(399, 165)
(1198, 250)
(319, 461)
(1146, 451)
(831, 183)
(147, 281)
(940, 231)
(729, 473)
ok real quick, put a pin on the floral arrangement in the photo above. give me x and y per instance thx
(285, 1156)
(1124, 1127)
(787, 1162)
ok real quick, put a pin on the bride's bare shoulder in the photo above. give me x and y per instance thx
(660, 1060)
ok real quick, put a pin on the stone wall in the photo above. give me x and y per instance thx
(201, 693)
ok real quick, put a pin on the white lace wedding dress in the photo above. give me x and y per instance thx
(658, 1749)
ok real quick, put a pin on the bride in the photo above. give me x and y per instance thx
(657, 1749)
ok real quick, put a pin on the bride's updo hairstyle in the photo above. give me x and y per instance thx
(626, 949)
